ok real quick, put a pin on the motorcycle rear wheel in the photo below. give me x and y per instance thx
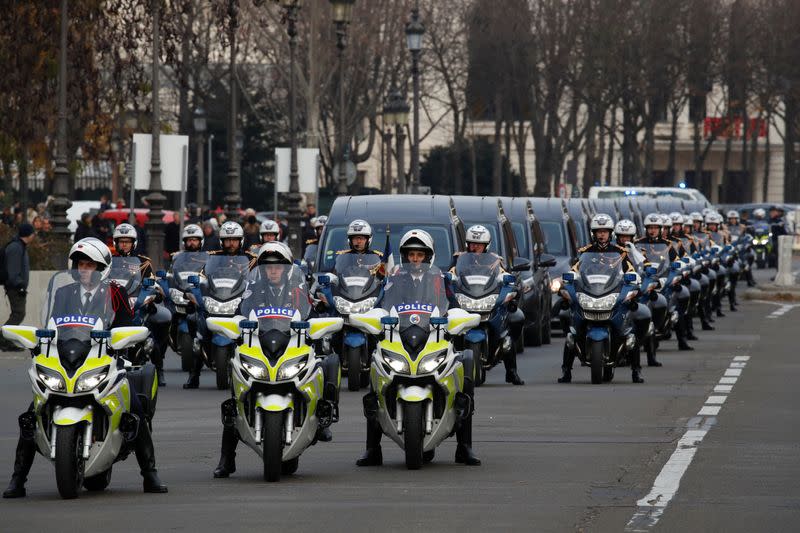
(413, 434)
(186, 350)
(69, 461)
(272, 444)
(596, 362)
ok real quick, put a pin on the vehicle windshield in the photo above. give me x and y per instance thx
(275, 296)
(555, 240)
(68, 311)
(522, 239)
(226, 275)
(335, 239)
(599, 272)
(186, 264)
(477, 274)
(356, 273)
(657, 255)
(414, 293)
(127, 272)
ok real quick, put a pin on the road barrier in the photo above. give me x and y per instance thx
(785, 277)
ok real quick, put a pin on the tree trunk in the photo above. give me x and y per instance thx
(767, 159)
(612, 133)
(790, 185)
(521, 140)
(649, 149)
(673, 140)
(497, 152)
(458, 181)
(508, 187)
(589, 164)
(473, 158)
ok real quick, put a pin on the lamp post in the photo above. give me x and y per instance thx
(291, 8)
(396, 114)
(156, 198)
(414, 32)
(61, 179)
(342, 14)
(233, 186)
(200, 126)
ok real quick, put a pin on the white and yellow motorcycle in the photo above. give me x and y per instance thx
(277, 379)
(416, 374)
(81, 393)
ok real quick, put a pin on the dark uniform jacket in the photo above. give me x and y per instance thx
(109, 298)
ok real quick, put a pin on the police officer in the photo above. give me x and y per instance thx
(479, 239)
(312, 244)
(625, 231)
(125, 239)
(601, 227)
(275, 287)
(270, 231)
(231, 236)
(192, 238)
(359, 236)
(90, 261)
(416, 250)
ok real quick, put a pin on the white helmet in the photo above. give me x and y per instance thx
(676, 217)
(94, 250)
(274, 252)
(601, 221)
(733, 214)
(125, 231)
(192, 231)
(688, 220)
(231, 230)
(705, 211)
(360, 227)
(625, 227)
(270, 226)
(759, 213)
(653, 219)
(319, 222)
(696, 217)
(713, 218)
(480, 235)
(417, 239)
(666, 220)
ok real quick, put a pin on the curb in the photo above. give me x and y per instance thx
(773, 293)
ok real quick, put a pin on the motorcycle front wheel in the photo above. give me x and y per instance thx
(69, 461)
(413, 434)
(596, 362)
(221, 362)
(272, 443)
(186, 350)
(353, 357)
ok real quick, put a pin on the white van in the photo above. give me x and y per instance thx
(682, 193)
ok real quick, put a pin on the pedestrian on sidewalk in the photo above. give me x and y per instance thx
(17, 269)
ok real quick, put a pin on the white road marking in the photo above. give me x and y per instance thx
(782, 310)
(733, 372)
(715, 400)
(728, 380)
(742, 358)
(709, 410)
(723, 388)
(738, 365)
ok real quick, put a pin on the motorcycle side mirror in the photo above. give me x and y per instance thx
(629, 278)
(324, 280)
(389, 320)
(521, 264)
(162, 274)
(685, 260)
(547, 261)
(249, 324)
(194, 280)
(650, 271)
(568, 277)
(508, 279)
(436, 320)
(46, 333)
(148, 282)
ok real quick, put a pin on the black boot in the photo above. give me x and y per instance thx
(227, 459)
(566, 366)
(373, 456)
(636, 376)
(194, 374)
(162, 382)
(146, 457)
(324, 434)
(464, 453)
(684, 346)
(635, 359)
(510, 362)
(707, 326)
(23, 460)
(651, 360)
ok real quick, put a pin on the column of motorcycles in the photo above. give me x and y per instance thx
(267, 349)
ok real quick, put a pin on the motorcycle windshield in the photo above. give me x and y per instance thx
(127, 272)
(414, 293)
(599, 273)
(186, 264)
(356, 273)
(275, 296)
(226, 275)
(657, 255)
(478, 274)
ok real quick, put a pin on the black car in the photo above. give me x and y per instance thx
(535, 282)
(580, 213)
(607, 206)
(561, 242)
(399, 214)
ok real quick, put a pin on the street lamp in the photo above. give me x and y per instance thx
(156, 198)
(61, 179)
(395, 113)
(294, 198)
(200, 126)
(233, 186)
(342, 14)
(414, 32)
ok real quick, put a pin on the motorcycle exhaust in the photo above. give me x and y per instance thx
(571, 340)
(630, 342)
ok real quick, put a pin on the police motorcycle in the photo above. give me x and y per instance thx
(353, 289)
(481, 288)
(277, 377)
(659, 292)
(762, 243)
(82, 388)
(183, 327)
(416, 374)
(218, 294)
(600, 297)
(126, 272)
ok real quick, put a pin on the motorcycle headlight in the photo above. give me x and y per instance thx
(254, 367)
(606, 303)
(346, 307)
(396, 362)
(92, 379)
(555, 285)
(177, 297)
(292, 367)
(51, 379)
(215, 307)
(432, 361)
(480, 305)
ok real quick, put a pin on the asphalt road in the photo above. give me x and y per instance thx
(555, 457)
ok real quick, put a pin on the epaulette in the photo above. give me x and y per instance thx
(144, 258)
(587, 247)
(342, 252)
(215, 252)
(376, 252)
(312, 241)
(619, 248)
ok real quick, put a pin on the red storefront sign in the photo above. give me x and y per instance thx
(725, 127)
